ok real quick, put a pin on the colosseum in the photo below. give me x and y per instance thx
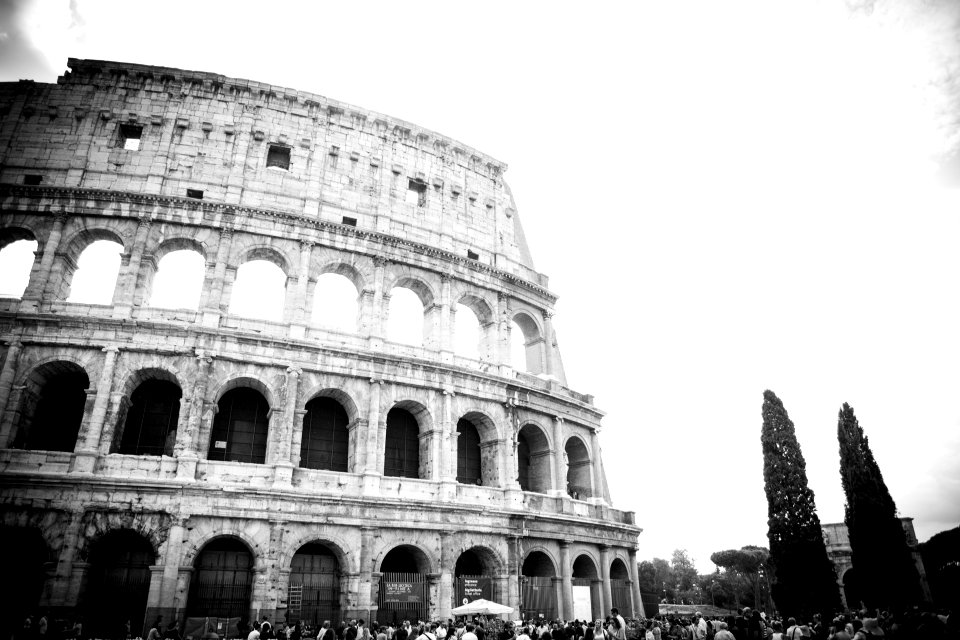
(348, 401)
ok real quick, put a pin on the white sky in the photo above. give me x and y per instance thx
(727, 196)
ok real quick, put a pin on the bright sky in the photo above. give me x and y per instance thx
(727, 197)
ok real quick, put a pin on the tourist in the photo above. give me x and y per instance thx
(154, 633)
(723, 633)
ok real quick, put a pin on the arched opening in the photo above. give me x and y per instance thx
(404, 589)
(405, 317)
(335, 303)
(538, 580)
(16, 262)
(51, 407)
(151, 425)
(118, 583)
(314, 592)
(533, 460)
(241, 427)
(579, 476)
(95, 279)
(620, 588)
(402, 448)
(326, 441)
(586, 589)
(467, 333)
(468, 453)
(222, 579)
(23, 554)
(259, 291)
(179, 280)
(473, 576)
(526, 345)
(851, 590)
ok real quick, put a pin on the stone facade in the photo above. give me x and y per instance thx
(159, 160)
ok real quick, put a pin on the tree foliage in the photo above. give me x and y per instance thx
(749, 563)
(803, 579)
(884, 570)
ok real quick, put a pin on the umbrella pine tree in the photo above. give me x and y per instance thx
(804, 581)
(884, 571)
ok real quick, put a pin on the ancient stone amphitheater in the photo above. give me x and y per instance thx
(224, 458)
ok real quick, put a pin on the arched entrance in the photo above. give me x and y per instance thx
(240, 429)
(468, 453)
(151, 425)
(620, 587)
(404, 587)
(118, 582)
(23, 554)
(579, 480)
(402, 448)
(586, 589)
(538, 593)
(222, 580)
(473, 576)
(51, 407)
(314, 592)
(325, 441)
(533, 460)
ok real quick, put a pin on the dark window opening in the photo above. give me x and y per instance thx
(195, 193)
(347, 220)
(325, 442)
(240, 428)
(468, 453)
(151, 425)
(473, 255)
(119, 582)
(32, 179)
(402, 451)
(417, 193)
(130, 135)
(51, 417)
(278, 156)
(222, 580)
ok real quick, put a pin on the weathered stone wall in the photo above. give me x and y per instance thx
(206, 132)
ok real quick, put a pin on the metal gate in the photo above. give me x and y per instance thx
(620, 594)
(222, 581)
(539, 597)
(403, 596)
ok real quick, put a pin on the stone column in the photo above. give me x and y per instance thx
(597, 468)
(559, 458)
(566, 577)
(186, 447)
(447, 564)
(372, 444)
(127, 280)
(300, 315)
(40, 285)
(448, 446)
(502, 350)
(635, 598)
(447, 317)
(366, 599)
(283, 467)
(376, 320)
(7, 375)
(549, 358)
(606, 592)
(88, 441)
(513, 572)
(60, 589)
(211, 303)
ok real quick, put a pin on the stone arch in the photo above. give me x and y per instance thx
(241, 402)
(414, 283)
(334, 299)
(579, 471)
(233, 563)
(133, 378)
(492, 562)
(348, 270)
(487, 449)
(540, 558)
(423, 559)
(533, 343)
(74, 247)
(189, 283)
(152, 526)
(194, 547)
(14, 232)
(19, 261)
(419, 410)
(54, 394)
(534, 451)
(335, 543)
(479, 305)
(398, 447)
(181, 243)
(586, 565)
(52, 526)
(237, 380)
(264, 252)
(341, 396)
(618, 569)
(133, 381)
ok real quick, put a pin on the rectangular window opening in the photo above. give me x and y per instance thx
(279, 157)
(473, 255)
(417, 193)
(32, 179)
(347, 220)
(130, 135)
(195, 193)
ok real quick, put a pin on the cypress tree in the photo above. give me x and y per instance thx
(804, 581)
(884, 571)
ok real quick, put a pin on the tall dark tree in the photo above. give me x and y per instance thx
(883, 565)
(803, 581)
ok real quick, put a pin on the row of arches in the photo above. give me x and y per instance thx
(261, 288)
(222, 572)
(53, 404)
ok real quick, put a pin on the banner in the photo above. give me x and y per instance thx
(400, 592)
(470, 588)
(582, 606)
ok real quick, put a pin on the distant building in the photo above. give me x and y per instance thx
(837, 539)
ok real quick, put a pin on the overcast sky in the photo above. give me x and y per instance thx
(727, 197)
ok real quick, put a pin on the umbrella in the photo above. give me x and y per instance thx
(481, 607)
